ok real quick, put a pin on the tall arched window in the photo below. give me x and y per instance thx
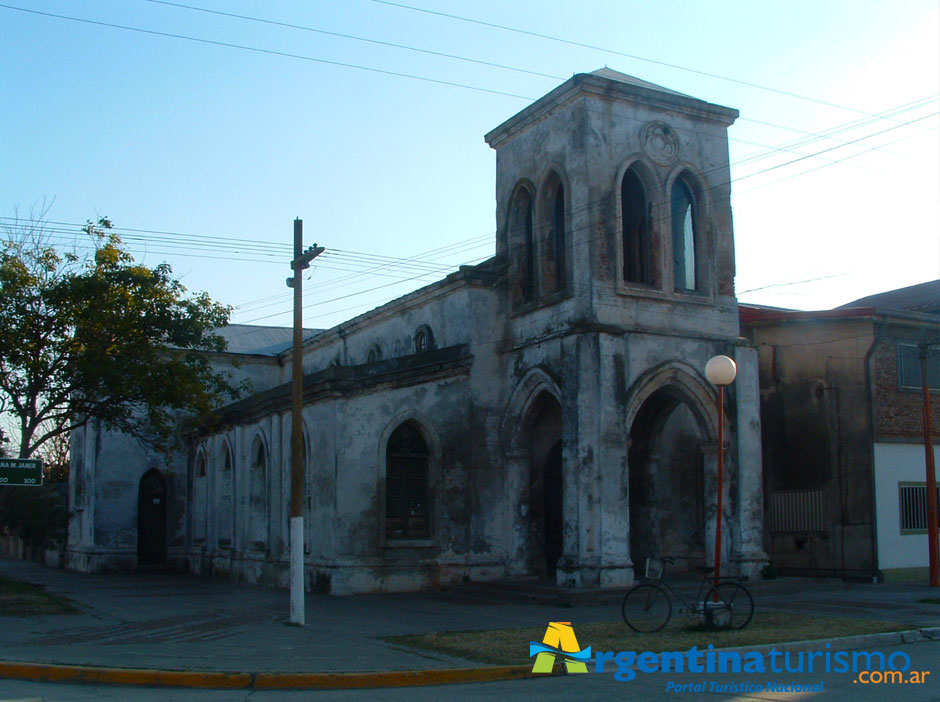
(684, 236)
(559, 237)
(257, 496)
(199, 499)
(226, 518)
(407, 512)
(522, 247)
(635, 231)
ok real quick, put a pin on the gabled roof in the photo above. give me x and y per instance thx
(923, 298)
(249, 339)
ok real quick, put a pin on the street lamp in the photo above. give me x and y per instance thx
(720, 371)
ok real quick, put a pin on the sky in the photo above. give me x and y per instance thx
(202, 150)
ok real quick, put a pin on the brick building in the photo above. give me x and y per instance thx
(842, 433)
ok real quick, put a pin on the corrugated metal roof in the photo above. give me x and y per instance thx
(260, 341)
(924, 298)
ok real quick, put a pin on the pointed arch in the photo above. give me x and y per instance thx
(637, 250)
(688, 216)
(554, 230)
(683, 382)
(258, 459)
(408, 466)
(225, 485)
(200, 496)
(523, 397)
(522, 243)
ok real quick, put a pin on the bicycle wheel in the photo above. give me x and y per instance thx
(731, 609)
(646, 608)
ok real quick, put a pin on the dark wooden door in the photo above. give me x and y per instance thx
(151, 519)
(552, 494)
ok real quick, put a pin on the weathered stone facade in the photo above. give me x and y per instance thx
(543, 413)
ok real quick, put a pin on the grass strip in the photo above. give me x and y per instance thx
(19, 599)
(511, 646)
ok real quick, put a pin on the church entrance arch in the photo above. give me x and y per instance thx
(151, 519)
(668, 442)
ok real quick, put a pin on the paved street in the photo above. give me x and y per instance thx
(177, 622)
(836, 687)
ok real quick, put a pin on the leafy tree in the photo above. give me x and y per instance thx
(100, 336)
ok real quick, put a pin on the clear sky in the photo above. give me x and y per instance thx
(215, 149)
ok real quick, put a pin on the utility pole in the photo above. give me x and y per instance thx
(934, 557)
(300, 263)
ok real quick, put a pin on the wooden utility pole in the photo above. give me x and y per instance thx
(933, 561)
(300, 263)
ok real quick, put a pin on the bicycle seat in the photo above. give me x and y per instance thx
(705, 569)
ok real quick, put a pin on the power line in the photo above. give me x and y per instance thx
(583, 45)
(271, 52)
(570, 245)
(404, 47)
(337, 63)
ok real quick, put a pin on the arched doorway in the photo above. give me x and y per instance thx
(667, 501)
(151, 519)
(546, 486)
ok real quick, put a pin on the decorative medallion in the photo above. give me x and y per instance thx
(660, 143)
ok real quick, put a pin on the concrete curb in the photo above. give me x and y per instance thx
(50, 672)
(888, 638)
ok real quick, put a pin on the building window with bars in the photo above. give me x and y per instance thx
(407, 513)
(912, 499)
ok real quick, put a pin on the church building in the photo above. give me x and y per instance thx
(544, 413)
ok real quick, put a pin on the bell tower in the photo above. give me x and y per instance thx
(613, 190)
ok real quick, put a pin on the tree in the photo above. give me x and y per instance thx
(98, 336)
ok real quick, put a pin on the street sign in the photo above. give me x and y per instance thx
(20, 471)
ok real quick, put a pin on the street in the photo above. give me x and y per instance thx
(645, 687)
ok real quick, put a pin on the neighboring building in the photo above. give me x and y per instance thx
(843, 442)
(544, 413)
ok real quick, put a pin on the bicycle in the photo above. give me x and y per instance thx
(647, 607)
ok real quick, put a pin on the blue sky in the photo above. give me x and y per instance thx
(211, 144)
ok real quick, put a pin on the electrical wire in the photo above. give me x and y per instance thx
(404, 47)
(271, 52)
(583, 45)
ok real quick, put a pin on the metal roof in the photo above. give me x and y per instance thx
(924, 298)
(255, 340)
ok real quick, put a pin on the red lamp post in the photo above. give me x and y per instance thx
(720, 371)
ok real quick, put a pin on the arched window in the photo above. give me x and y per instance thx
(522, 247)
(424, 339)
(635, 231)
(684, 236)
(559, 237)
(407, 513)
(226, 518)
(257, 496)
(375, 354)
(199, 499)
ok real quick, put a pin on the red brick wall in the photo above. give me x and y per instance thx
(898, 411)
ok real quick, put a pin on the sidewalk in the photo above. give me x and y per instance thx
(176, 622)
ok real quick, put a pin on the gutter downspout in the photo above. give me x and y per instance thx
(878, 336)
